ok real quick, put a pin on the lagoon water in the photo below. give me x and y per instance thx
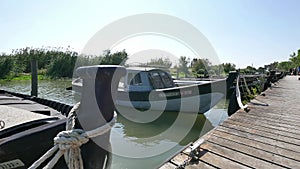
(143, 140)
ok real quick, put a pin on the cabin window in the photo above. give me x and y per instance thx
(134, 79)
(168, 82)
(156, 80)
(161, 80)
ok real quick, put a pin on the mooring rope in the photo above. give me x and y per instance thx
(68, 142)
(246, 85)
(238, 94)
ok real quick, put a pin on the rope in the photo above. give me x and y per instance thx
(68, 143)
(247, 88)
(238, 94)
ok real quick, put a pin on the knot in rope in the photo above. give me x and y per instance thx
(70, 139)
(68, 142)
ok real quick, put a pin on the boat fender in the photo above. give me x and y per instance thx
(2, 124)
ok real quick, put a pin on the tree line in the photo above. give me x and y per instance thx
(52, 62)
(60, 63)
(196, 67)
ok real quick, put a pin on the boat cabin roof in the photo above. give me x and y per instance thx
(146, 79)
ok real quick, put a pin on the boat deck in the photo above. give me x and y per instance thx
(15, 110)
(268, 136)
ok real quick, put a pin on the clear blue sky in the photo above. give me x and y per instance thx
(243, 32)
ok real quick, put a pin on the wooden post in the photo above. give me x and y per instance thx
(34, 77)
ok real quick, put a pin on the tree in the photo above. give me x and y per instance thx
(261, 70)
(201, 67)
(6, 66)
(62, 65)
(285, 65)
(183, 65)
(117, 58)
(295, 59)
(228, 67)
(273, 66)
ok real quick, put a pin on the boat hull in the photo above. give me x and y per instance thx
(199, 104)
(192, 98)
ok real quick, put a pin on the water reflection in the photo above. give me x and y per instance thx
(137, 144)
(161, 124)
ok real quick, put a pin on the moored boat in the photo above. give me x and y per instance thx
(152, 88)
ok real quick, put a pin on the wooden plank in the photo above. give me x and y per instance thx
(238, 157)
(179, 159)
(259, 145)
(285, 122)
(220, 162)
(259, 154)
(279, 118)
(283, 108)
(271, 141)
(286, 117)
(264, 128)
(168, 166)
(280, 113)
(258, 122)
(268, 134)
(198, 165)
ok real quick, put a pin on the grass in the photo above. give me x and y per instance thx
(23, 77)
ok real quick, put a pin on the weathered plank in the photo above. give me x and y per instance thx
(199, 164)
(168, 166)
(261, 157)
(265, 128)
(256, 137)
(275, 116)
(220, 162)
(282, 121)
(259, 145)
(280, 114)
(268, 134)
(258, 122)
(180, 159)
(238, 157)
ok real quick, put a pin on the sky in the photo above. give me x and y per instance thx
(243, 32)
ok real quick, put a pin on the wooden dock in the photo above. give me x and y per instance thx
(268, 136)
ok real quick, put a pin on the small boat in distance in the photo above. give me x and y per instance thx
(152, 88)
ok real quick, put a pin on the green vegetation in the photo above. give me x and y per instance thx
(183, 66)
(163, 62)
(292, 63)
(52, 62)
(60, 63)
(24, 77)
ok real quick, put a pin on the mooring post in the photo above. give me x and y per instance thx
(34, 77)
(230, 82)
(269, 80)
(98, 93)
